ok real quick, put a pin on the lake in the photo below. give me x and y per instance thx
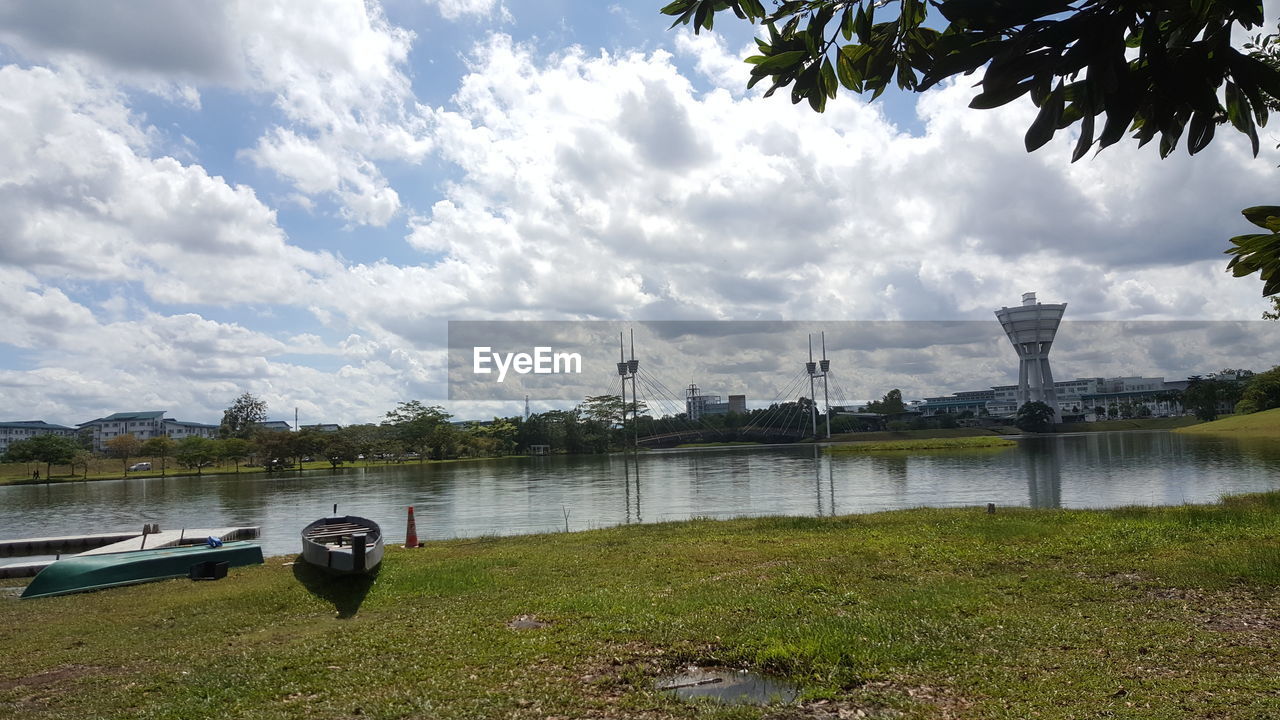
(546, 494)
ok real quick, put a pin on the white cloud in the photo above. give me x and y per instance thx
(84, 199)
(607, 186)
(335, 69)
(187, 364)
(455, 9)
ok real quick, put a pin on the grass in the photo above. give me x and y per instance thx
(1131, 613)
(925, 434)
(1155, 423)
(111, 469)
(1265, 424)
(952, 443)
(730, 443)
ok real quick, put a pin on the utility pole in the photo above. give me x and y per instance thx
(825, 366)
(812, 368)
(622, 372)
(633, 367)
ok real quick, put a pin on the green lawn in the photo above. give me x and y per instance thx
(889, 435)
(109, 469)
(952, 443)
(1154, 423)
(1265, 424)
(1132, 613)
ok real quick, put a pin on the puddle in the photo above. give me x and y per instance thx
(527, 622)
(736, 687)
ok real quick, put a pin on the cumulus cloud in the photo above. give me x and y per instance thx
(334, 69)
(84, 198)
(455, 9)
(657, 200)
(187, 364)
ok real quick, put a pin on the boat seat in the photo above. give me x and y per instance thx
(338, 533)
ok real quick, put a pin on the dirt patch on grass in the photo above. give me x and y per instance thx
(1226, 611)
(622, 679)
(527, 622)
(57, 676)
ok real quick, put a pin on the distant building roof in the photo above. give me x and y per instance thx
(117, 417)
(188, 423)
(33, 424)
(276, 425)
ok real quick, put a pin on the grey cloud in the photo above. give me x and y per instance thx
(659, 127)
(159, 37)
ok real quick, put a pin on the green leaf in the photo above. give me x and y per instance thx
(678, 7)
(1086, 137)
(1264, 216)
(846, 73)
(829, 84)
(1000, 96)
(1200, 132)
(1046, 122)
(782, 60)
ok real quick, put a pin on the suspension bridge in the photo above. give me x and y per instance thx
(654, 416)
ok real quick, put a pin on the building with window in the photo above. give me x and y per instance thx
(144, 426)
(1076, 399)
(15, 430)
(179, 429)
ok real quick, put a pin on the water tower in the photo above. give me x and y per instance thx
(1031, 328)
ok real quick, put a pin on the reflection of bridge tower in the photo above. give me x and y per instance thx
(1031, 328)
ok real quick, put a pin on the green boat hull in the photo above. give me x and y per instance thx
(81, 573)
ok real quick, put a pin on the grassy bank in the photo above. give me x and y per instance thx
(887, 435)
(1265, 424)
(1133, 613)
(731, 443)
(109, 469)
(1155, 423)
(953, 443)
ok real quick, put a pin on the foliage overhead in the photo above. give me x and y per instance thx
(1112, 67)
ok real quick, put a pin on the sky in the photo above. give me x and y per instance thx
(295, 199)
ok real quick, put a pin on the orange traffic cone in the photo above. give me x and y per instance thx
(411, 535)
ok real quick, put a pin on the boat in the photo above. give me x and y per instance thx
(343, 544)
(81, 573)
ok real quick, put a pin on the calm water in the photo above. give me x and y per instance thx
(528, 495)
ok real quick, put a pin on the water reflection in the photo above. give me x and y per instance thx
(529, 495)
(1044, 473)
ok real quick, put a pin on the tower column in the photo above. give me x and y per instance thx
(1031, 328)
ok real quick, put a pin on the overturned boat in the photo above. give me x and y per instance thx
(343, 544)
(81, 573)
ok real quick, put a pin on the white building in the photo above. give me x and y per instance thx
(144, 426)
(13, 431)
(1079, 397)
